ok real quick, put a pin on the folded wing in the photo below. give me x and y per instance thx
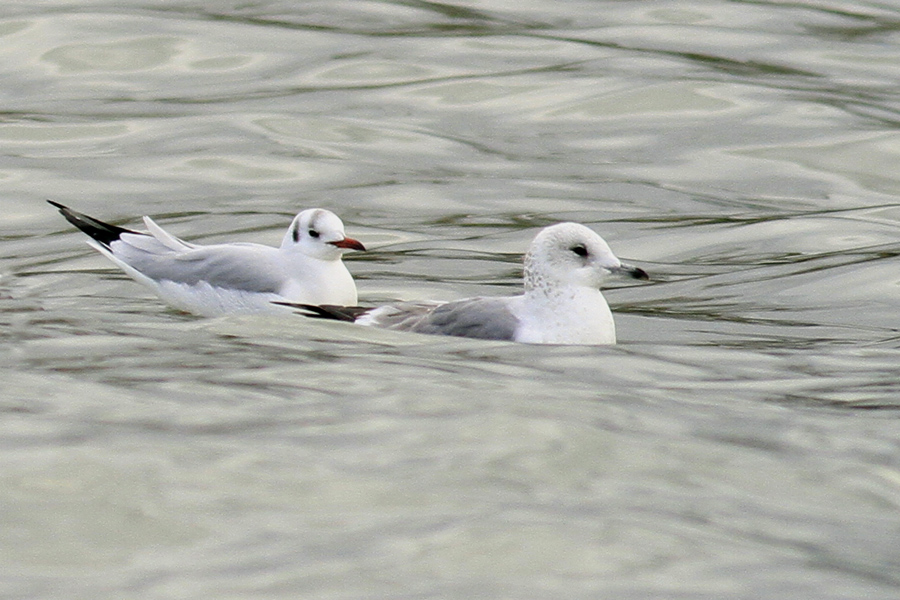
(483, 318)
(242, 267)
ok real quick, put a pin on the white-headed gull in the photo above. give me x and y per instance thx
(237, 278)
(562, 304)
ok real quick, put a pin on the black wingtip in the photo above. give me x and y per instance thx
(105, 233)
(331, 312)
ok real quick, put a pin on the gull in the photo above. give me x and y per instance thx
(562, 304)
(236, 278)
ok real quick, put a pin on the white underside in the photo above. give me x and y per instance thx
(208, 301)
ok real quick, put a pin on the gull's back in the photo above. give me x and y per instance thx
(483, 318)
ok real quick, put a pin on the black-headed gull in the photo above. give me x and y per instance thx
(222, 279)
(562, 304)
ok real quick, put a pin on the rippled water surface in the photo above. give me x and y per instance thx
(741, 441)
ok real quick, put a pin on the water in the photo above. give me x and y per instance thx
(740, 442)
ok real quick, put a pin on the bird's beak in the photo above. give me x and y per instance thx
(629, 271)
(348, 243)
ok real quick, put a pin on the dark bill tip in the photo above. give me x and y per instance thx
(633, 272)
(638, 273)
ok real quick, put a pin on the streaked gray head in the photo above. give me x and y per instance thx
(570, 254)
(319, 233)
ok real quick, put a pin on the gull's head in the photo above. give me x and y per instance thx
(319, 233)
(569, 254)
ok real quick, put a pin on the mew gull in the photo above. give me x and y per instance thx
(221, 279)
(562, 304)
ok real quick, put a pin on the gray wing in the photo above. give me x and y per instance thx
(483, 318)
(245, 267)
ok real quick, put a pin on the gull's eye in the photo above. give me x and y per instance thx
(580, 250)
(313, 233)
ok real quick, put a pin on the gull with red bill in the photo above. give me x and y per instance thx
(235, 278)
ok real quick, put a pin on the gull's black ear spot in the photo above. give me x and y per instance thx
(295, 233)
(580, 250)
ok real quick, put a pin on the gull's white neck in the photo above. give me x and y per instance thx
(567, 314)
(315, 281)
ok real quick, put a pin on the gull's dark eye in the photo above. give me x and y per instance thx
(580, 250)
(313, 233)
